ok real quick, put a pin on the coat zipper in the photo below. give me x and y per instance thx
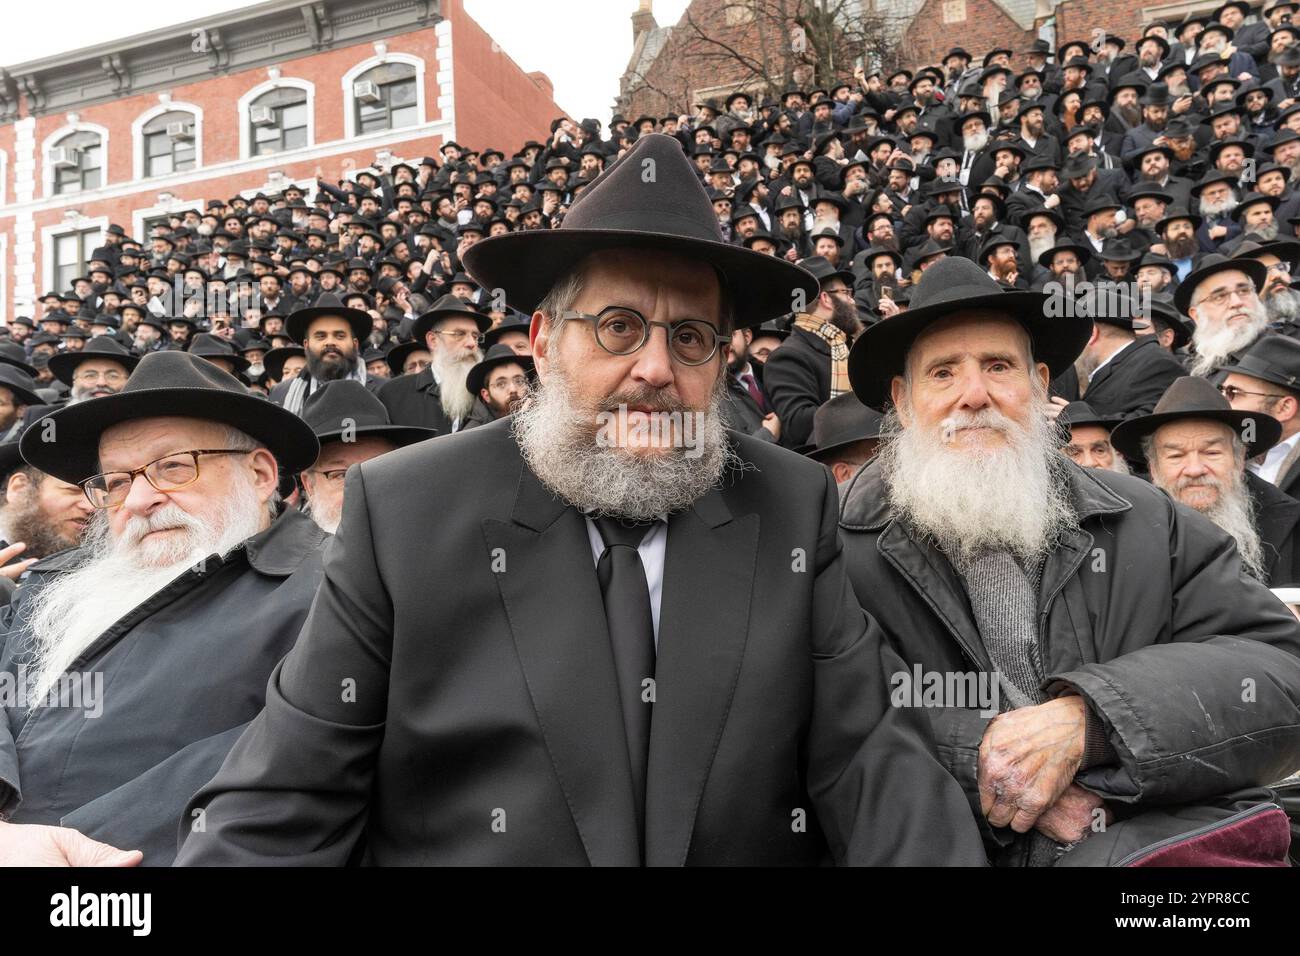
(1199, 831)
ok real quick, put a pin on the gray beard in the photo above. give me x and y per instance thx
(1221, 209)
(457, 402)
(1039, 245)
(562, 445)
(1233, 512)
(1283, 306)
(1213, 346)
(943, 493)
(1267, 233)
(118, 575)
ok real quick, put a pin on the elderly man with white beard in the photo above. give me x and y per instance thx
(185, 592)
(1088, 442)
(1196, 446)
(1116, 626)
(585, 615)
(437, 397)
(1221, 296)
(1281, 258)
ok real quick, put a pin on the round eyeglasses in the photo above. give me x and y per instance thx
(169, 473)
(622, 331)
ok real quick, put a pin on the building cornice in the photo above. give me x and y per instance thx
(226, 43)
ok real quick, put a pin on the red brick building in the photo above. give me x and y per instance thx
(253, 100)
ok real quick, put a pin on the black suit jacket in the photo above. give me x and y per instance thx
(741, 412)
(415, 400)
(1276, 516)
(797, 380)
(1128, 385)
(483, 724)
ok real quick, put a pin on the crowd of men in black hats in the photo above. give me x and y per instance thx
(1135, 191)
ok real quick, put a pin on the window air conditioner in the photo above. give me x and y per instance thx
(183, 131)
(262, 116)
(65, 157)
(366, 92)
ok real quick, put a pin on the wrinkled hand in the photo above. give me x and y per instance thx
(1055, 405)
(1070, 818)
(29, 845)
(14, 571)
(1027, 758)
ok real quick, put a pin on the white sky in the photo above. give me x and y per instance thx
(582, 45)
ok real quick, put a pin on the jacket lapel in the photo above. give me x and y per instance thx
(557, 620)
(704, 623)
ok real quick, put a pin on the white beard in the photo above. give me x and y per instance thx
(1213, 345)
(120, 574)
(1284, 305)
(976, 142)
(1119, 465)
(327, 516)
(1233, 512)
(947, 493)
(1209, 209)
(1040, 244)
(452, 373)
(562, 445)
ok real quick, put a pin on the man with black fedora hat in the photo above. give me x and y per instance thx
(352, 426)
(436, 397)
(610, 563)
(331, 334)
(17, 395)
(1082, 652)
(812, 365)
(182, 468)
(498, 383)
(1196, 446)
(101, 368)
(1087, 438)
(844, 437)
(1221, 296)
(1265, 378)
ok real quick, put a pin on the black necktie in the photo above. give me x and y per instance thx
(632, 639)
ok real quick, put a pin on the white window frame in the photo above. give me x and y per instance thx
(352, 75)
(137, 135)
(246, 105)
(50, 233)
(47, 171)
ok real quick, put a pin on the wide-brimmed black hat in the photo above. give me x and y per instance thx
(398, 354)
(651, 198)
(168, 383)
(1174, 213)
(1162, 308)
(64, 365)
(840, 422)
(20, 383)
(1064, 244)
(823, 270)
(496, 355)
(346, 408)
(949, 287)
(447, 307)
(209, 346)
(1212, 265)
(1080, 414)
(273, 361)
(513, 322)
(1271, 358)
(1195, 397)
(327, 303)
(11, 353)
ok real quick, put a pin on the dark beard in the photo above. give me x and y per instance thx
(891, 243)
(792, 233)
(1131, 115)
(27, 524)
(844, 316)
(322, 371)
(1181, 248)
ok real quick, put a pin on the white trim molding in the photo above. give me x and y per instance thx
(446, 77)
(166, 106)
(50, 233)
(42, 157)
(350, 77)
(282, 82)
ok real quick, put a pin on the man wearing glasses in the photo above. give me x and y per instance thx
(606, 631)
(812, 366)
(1222, 297)
(437, 397)
(1280, 257)
(1266, 378)
(186, 590)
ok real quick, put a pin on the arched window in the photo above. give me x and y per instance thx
(77, 161)
(385, 98)
(169, 143)
(278, 120)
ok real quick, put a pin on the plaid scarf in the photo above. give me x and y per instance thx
(839, 343)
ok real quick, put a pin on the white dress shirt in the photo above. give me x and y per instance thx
(1273, 459)
(653, 549)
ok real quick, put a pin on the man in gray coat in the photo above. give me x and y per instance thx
(1124, 659)
(131, 664)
